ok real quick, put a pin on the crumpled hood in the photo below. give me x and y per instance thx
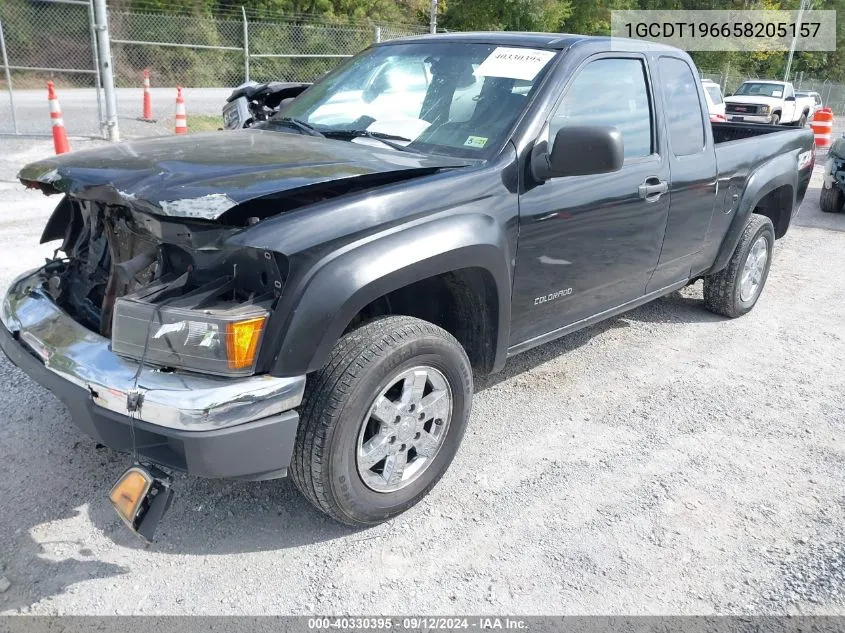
(205, 175)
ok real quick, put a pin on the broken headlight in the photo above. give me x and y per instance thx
(212, 336)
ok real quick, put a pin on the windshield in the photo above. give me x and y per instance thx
(450, 98)
(761, 89)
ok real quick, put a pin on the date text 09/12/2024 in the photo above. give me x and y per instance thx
(416, 623)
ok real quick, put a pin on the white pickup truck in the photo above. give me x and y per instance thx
(774, 102)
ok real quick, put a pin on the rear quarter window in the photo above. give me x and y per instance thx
(682, 106)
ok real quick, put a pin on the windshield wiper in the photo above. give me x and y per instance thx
(387, 139)
(300, 125)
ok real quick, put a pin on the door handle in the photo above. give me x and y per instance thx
(653, 188)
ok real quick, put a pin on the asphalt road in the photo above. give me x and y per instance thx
(79, 107)
(667, 461)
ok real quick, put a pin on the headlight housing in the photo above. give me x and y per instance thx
(764, 109)
(196, 332)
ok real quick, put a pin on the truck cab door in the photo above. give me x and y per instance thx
(589, 243)
(692, 163)
(789, 104)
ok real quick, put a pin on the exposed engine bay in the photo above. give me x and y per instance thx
(159, 273)
(108, 259)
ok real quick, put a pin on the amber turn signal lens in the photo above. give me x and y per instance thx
(242, 341)
(129, 492)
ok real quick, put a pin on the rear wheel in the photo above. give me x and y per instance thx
(382, 421)
(734, 290)
(802, 122)
(831, 200)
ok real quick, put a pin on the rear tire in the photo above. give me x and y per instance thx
(397, 390)
(832, 200)
(734, 290)
(802, 122)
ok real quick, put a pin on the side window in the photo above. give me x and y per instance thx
(683, 108)
(610, 92)
(715, 94)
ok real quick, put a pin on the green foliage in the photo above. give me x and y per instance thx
(592, 17)
(51, 34)
(507, 15)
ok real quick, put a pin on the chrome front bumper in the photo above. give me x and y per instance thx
(749, 118)
(171, 400)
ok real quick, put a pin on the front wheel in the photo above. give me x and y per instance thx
(775, 119)
(734, 290)
(380, 424)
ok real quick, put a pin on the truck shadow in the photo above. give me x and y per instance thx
(46, 480)
(685, 306)
(56, 535)
(58, 529)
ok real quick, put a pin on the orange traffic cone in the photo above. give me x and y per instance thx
(181, 115)
(147, 116)
(59, 133)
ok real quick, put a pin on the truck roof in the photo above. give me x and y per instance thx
(763, 81)
(556, 41)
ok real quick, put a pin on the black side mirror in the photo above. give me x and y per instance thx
(579, 150)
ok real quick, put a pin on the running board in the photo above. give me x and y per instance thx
(601, 316)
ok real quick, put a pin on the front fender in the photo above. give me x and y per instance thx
(338, 287)
(778, 172)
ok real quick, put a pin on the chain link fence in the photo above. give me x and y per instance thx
(44, 41)
(55, 40)
(177, 49)
(198, 52)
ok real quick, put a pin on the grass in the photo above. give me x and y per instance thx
(204, 122)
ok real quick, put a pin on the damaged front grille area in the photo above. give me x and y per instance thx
(167, 291)
(107, 260)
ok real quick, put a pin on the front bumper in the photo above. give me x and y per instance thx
(207, 425)
(749, 118)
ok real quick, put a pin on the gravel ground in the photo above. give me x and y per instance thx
(668, 461)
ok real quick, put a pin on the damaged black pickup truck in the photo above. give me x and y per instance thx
(312, 296)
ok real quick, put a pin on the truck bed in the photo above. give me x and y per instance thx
(727, 132)
(741, 150)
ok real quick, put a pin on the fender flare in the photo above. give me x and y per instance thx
(327, 297)
(778, 172)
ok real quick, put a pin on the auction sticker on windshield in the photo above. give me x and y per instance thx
(514, 63)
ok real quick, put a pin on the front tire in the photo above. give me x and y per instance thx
(734, 290)
(831, 200)
(776, 119)
(380, 424)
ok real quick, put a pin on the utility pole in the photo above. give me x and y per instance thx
(433, 23)
(246, 46)
(106, 69)
(805, 5)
